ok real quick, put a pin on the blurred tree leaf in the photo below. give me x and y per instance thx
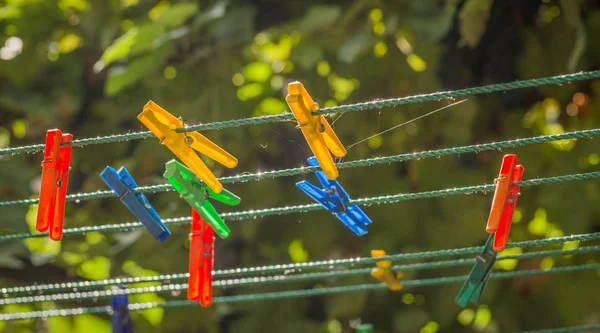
(136, 40)
(572, 15)
(318, 17)
(215, 12)
(60, 325)
(271, 105)
(473, 20)
(592, 23)
(153, 316)
(91, 324)
(355, 47)
(123, 76)
(9, 12)
(96, 268)
(178, 14)
(306, 56)
(428, 19)
(237, 24)
(257, 71)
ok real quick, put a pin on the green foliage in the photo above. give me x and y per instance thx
(88, 66)
(473, 19)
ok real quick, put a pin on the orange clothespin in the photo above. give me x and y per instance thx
(505, 201)
(163, 125)
(383, 274)
(202, 250)
(55, 179)
(317, 132)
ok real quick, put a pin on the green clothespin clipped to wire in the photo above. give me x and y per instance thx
(473, 287)
(196, 193)
(364, 328)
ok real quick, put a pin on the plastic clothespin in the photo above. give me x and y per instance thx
(55, 180)
(120, 320)
(383, 274)
(364, 328)
(124, 187)
(475, 283)
(505, 201)
(334, 198)
(319, 135)
(196, 194)
(183, 145)
(202, 258)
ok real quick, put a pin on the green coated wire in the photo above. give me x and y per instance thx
(291, 293)
(261, 280)
(338, 263)
(567, 329)
(256, 213)
(244, 177)
(376, 104)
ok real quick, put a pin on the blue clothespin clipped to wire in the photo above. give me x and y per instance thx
(334, 198)
(473, 288)
(124, 187)
(120, 320)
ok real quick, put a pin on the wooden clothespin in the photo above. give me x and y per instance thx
(318, 134)
(184, 145)
(55, 180)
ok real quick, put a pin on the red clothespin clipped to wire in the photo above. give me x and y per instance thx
(55, 179)
(505, 201)
(202, 251)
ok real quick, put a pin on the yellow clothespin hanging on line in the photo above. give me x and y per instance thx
(317, 132)
(382, 273)
(183, 145)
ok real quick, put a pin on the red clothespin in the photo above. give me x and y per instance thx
(55, 179)
(202, 251)
(505, 201)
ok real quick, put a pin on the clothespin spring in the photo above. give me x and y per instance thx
(59, 181)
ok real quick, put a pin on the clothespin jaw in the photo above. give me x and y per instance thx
(475, 283)
(364, 328)
(202, 249)
(124, 187)
(504, 201)
(54, 183)
(318, 134)
(383, 274)
(196, 194)
(164, 126)
(503, 185)
(334, 198)
(501, 235)
(120, 319)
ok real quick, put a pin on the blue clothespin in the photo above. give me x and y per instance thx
(334, 198)
(123, 185)
(120, 320)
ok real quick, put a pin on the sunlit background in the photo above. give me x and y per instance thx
(87, 67)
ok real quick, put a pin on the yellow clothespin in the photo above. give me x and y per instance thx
(319, 135)
(382, 274)
(163, 125)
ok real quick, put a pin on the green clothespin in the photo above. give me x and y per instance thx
(473, 287)
(364, 328)
(196, 193)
